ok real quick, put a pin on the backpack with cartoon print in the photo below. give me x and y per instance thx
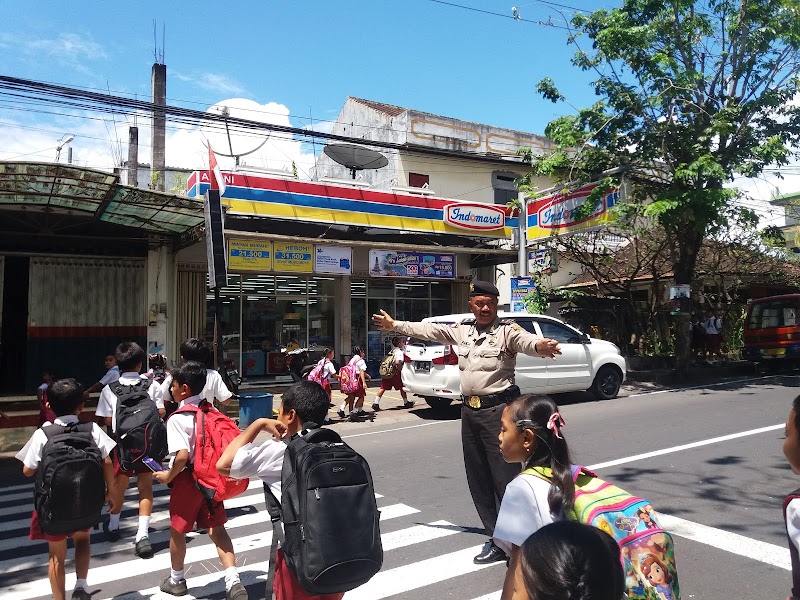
(350, 377)
(648, 551)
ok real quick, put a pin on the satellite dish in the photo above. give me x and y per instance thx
(355, 158)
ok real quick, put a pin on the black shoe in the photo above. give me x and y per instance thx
(174, 589)
(489, 554)
(112, 535)
(81, 594)
(341, 414)
(237, 592)
(143, 549)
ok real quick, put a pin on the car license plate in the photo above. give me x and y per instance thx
(422, 365)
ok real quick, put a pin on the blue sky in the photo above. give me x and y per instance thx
(292, 60)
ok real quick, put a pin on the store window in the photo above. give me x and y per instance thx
(264, 314)
(407, 300)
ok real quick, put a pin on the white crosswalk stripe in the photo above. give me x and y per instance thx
(440, 552)
(248, 524)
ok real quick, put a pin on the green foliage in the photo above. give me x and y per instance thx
(538, 300)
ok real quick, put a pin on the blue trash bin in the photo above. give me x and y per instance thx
(252, 406)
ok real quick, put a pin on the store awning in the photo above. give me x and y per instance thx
(78, 191)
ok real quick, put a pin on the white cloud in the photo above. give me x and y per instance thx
(92, 146)
(69, 50)
(213, 82)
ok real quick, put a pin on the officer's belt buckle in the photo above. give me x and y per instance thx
(474, 401)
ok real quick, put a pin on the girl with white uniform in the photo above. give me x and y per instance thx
(530, 434)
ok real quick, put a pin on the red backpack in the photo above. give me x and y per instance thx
(213, 432)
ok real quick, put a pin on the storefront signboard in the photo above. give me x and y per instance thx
(520, 287)
(387, 263)
(556, 213)
(249, 255)
(333, 259)
(292, 257)
(475, 217)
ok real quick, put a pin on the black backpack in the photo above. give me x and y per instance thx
(327, 521)
(70, 487)
(139, 430)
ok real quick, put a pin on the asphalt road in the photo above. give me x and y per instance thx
(721, 499)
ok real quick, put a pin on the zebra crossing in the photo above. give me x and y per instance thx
(420, 552)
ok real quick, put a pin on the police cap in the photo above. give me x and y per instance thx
(483, 288)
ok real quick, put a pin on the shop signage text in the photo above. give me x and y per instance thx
(556, 213)
(293, 257)
(475, 217)
(249, 255)
(333, 259)
(387, 263)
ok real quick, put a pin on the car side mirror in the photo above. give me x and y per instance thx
(585, 339)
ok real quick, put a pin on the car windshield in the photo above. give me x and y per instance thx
(428, 343)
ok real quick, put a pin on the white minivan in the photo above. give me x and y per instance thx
(431, 369)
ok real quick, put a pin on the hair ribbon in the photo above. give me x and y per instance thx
(555, 423)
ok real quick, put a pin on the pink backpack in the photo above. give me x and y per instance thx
(349, 376)
(317, 374)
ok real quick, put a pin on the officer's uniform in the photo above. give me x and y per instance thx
(486, 359)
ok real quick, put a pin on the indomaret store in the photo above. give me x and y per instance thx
(86, 262)
(310, 262)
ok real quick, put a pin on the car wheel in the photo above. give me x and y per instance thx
(437, 403)
(607, 383)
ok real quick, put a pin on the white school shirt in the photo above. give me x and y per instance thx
(361, 365)
(523, 511)
(793, 522)
(264, 461)
(327, 370)
(712, 325)
(31, 453)
(111, 376)
(214, 387)
(181, 433)
(107, 404)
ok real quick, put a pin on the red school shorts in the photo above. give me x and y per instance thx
(36, 532)
(187, 506)
(286, 587)
(395, 382)
(118, 470)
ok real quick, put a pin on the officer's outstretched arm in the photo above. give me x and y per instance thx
(533, 345)
(436, 332)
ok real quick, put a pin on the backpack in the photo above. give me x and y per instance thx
(317, 373)
(632, 523)
(325, 483)
(349, 377)
(792, 548)
(213, 432)
(139, 429)
(388, 367)
(70, 487)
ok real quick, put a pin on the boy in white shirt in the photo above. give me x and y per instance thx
(129, 357)
(303, 402)
(395, 381)
(194, 349)
(65, 398)
(187, 505)
(112, 374)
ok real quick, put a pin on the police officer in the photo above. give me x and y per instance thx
(487, 352)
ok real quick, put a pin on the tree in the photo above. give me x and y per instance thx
(690, 95)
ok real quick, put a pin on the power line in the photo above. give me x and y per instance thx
(513, 17)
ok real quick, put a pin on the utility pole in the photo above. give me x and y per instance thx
(522, 255)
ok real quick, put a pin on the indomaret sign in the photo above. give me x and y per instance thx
(557, 213)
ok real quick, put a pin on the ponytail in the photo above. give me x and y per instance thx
(540, 414)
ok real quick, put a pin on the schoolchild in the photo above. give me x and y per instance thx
(791, 450)
(303, 402)
(358, 396)
(130, 357)
(396, 381)
(187, 505)
(568, 560)
(46, 414)
(530, 434)
(112, 375)
(193, 349)
(328, 371)
(65, 397)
